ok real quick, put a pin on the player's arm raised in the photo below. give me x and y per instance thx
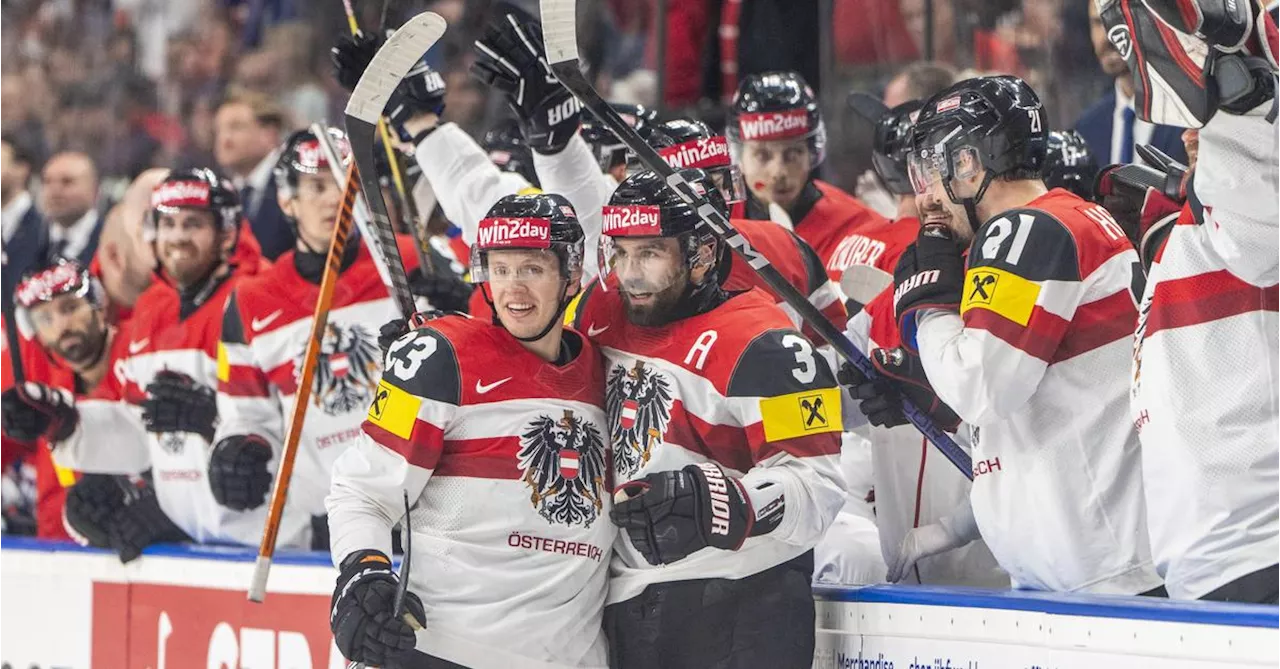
(1018, 297)
(787, 397)
(402, 442)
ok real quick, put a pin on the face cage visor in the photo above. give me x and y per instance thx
(952, 158)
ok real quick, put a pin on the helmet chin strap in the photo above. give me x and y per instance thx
(971, 203)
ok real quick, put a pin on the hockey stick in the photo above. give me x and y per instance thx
(561, 40)
(319, 320)
(408, 209)
(394, 60)
(10, 316)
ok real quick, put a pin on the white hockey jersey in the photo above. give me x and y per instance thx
(738, 386)
(505, 457)
(264, 336)
(1034, 363)
(157, 338)
(1204, 368)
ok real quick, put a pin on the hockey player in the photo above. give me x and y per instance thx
(777, 135)
(1069, 164)
(497, 432)
(508, 151)
(264, 333)
(1210, 456)
(918, 494)
(725, 429)
(161, 393)
(1040, 320)
(65, 309)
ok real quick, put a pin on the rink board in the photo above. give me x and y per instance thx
(64, 606)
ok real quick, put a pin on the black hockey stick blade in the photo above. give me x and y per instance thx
(559, 32)
(369, 98)
(406, 541)
(10, 319)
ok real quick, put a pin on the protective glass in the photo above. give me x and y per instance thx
(514, 265)
(939, 163)
(643, 264)
(729, 180)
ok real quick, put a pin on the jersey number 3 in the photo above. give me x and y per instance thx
(805, 369)
(407, 353)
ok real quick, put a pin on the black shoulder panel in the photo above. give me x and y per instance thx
(1030, 243)
(424, 363)
(779, 362)
(232, 326)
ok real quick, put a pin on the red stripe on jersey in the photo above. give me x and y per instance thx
(422, 449)
(283, 377)
(808, 446)
(1097, 324)
(723, 444)
(488, 458)
(1206, 297)
(1039, 339)
(244, 382)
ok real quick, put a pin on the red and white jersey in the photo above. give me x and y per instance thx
(736, 385)
(1034, 363)
(877, 244)
(161, 337)
(505, 458)
(915, 485)
(834, 218)
(1204, 368)
(264, 336)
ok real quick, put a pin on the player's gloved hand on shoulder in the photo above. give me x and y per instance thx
(510, 58)
(1144, 200)
(33, 410)
(176, 403)
(443, 288)
(109, 511)
(238, 473)
(678, 513)
(422, 90)
(929, 275)
(362, 615)
(901, 375)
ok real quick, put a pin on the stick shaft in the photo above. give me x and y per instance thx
(319, 321)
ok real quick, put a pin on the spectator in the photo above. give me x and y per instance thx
(69, 191)
(247, 130)
(26, 240)
(918, 81)
(1111, 126)
(990, 53)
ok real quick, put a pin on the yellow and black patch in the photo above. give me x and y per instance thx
(1003, 292)
(799, 414)
(394, 410)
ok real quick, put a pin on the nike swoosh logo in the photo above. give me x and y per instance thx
(259, 324)
(593, 331)
(135, 346)
(482, 389)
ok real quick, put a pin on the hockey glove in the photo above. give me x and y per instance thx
(362, 616)
(176, 403)
(678, 513)
(422, 90)
(444, 289)
(929, 275)
(112, 512)
(34, 410)
(510, 58)
(1145, 201)
(238, 472)
(901, 375)
(91, 505)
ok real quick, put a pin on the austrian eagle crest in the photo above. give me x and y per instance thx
(347, 369)
(638, 401)
(563, 463)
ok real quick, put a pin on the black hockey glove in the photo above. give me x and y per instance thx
(362, 615)
(111, 512)
(34, 410)
(678, 513)
(238, 472)
(901, 374)
(421, 91)
(176, 403)
(930, 275)
(510, 58)
(1144, 200)
(444, 289)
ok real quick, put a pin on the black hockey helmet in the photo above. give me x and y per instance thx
(302, 154)
(777, 106)
(1070, 164)
(986, 123)
(507, 149)
(200, 188)
(687, 143)
(542, 222)
(891, 138)
(610, 152)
